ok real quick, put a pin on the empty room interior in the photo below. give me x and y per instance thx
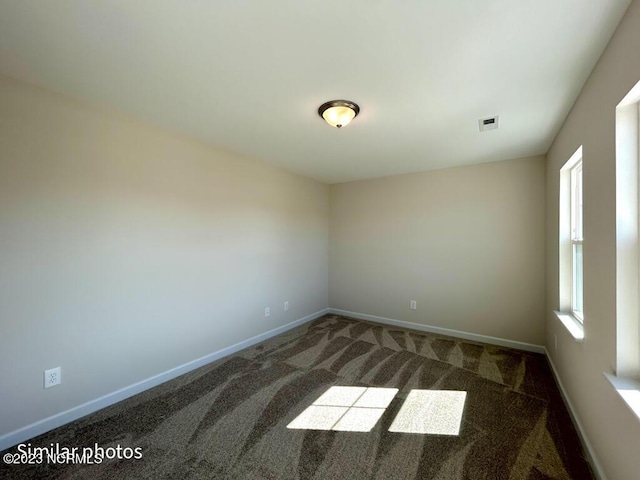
(320, 240)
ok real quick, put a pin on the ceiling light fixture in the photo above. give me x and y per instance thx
(338, 113)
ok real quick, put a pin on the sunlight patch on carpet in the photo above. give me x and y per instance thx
(350, 409)
(433, 412)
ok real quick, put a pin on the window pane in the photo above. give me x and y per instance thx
(576, 202)
(577, 280)
(579, 202)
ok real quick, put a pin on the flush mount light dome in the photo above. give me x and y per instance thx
(338, 113)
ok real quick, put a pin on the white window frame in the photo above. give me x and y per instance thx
(626, 377)
(571, 311)
(577, 263)
(628, 235)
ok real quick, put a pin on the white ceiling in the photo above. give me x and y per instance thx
(249, 75)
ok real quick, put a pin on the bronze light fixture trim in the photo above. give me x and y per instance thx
(338, 113)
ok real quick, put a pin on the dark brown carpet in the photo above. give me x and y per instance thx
(229, 420)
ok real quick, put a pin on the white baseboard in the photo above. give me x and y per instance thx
(38, 428)
(588, 448)
(444, 331)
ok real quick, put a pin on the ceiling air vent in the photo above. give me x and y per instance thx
(491, 123)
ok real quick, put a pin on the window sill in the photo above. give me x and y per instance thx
(628, 389)
(572, 324)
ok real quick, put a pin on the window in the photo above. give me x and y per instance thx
(627, 236)
(626, 378)
(576, 240)
(571, 312)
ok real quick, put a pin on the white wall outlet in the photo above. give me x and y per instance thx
(267, 312)
(413, 305)
(286, 305)
(52, 377)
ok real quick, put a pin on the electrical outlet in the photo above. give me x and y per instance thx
(286, 305)
(52, 377)
(267, 312)
(413, 305)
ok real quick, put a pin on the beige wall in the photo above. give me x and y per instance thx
(465, 243)
(126, 251)
(610, 426)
